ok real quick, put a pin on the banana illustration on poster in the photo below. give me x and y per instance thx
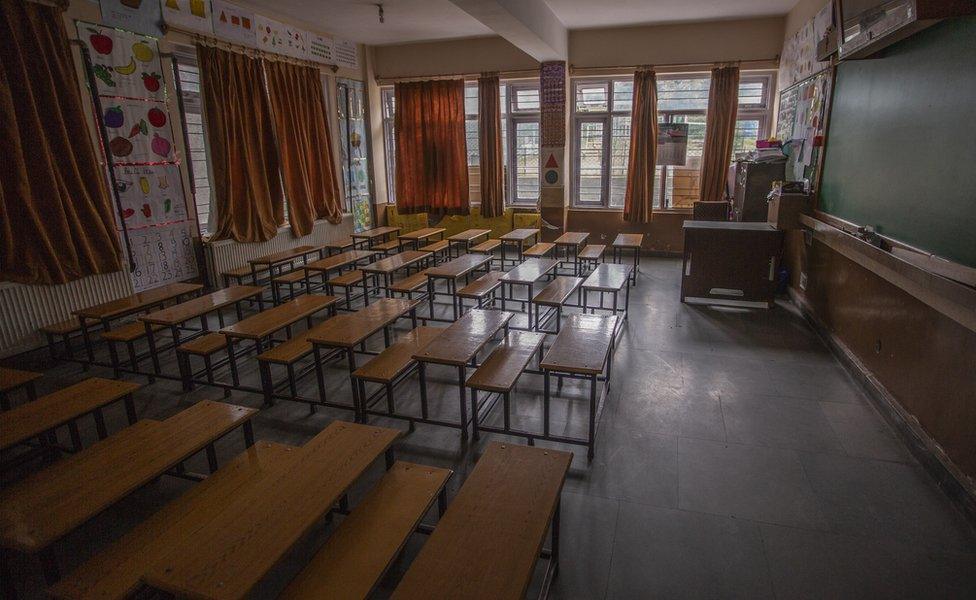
(124, 64)
(150, 195)
(191, 15)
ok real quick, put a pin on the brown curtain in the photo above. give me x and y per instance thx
(490, 146)
(431, 155)
(302, 130)
(642, 162)
(240, 138)
(56, 215)
(723, 100)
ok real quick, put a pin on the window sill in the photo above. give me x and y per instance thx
(286, 228)
(665, 211)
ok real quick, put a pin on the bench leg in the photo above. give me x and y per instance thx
(100, 424)
(319, 374)
(591, 445)
(114, 355)
(390, 405)
(545, 403)
(442, 502)
(75, 435)
(464, 405)
(507, 402)
(212, 458)
(474, 414)
(358, 403)
(248, 430)
(390, 458)
(266, 385)
(130, 409)
(232, 362)
(554, 550)
(186, 375)
(422, 376)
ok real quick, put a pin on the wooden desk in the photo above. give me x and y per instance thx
(47, 505)
(421, 235)
(262, 325)
(526, 274)
(451, 271)
(276, 260)
(460, 343)
(371, 235)
(609, 278)
(730, 263)
(518, 237)
(571, 242)
(354, 329)
(488, 542)
(13, 379)
(228, 555)
(628, 241)
(175, 316)
(467, 238)
(386, 267)
(123, 307)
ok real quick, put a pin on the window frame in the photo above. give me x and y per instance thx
(510, 119)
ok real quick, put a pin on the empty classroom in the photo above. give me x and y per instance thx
(500, 299)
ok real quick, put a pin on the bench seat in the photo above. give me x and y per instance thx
(129, 332)
(539, 250)
(241, 272)
(66, 327)
(592, 252)
(340, 245)
(387, 246)
(558, 291)
(482, 286)
(204, 345)
(417, 281)
(294, 349)
(116, 572)
(438, 246)
(505, 364)
(354, 277)
(486, 247)
(360, 551)
(291, 277)
(11, 379)
(394, 360)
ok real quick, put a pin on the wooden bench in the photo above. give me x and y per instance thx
(64, 406)
(479, 289)
(408, 285)
(346, 281)
(230, 554)
(204, 346)
(14, 379)
(287, 354)
(127, 334)
(240, 274)
(628, 241)
(64, 330)
(361, 550)
(608, 278)
(47, 505)
(501, 370)
(116, 572)
(489, 540)
(441, 250)
(486, 247)
(387, 247)
(339, 246)
(387, 367)
(555, 295)
(590, 255)
(290, 279)
(540, 250)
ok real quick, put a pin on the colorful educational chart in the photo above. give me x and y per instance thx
(275, 36)
(141, 16)
(149, 195)
(800, 124)
(345, 53)
(162, 255)
(320, 48)
(138, 131)
(233, 24)
(799, 57)
(552, 171)
(123, 63)
(190, 15)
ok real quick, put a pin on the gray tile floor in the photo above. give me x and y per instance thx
(735, 458)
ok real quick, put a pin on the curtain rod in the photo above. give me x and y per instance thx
(757, 63)
(515, 74)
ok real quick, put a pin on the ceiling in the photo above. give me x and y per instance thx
(424, 20)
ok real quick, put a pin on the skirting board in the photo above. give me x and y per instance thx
(926, 450)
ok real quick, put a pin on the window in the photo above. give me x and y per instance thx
(520, 140)
(354, 151)
(601, 135)
(189, 75)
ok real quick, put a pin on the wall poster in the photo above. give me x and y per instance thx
(191, 15)
(162, 254)
(233, 24)
(320, 48)
(135, 15)
(138, 131)
(124, 64)
(150, 194)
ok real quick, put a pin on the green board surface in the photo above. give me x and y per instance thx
(901, 151)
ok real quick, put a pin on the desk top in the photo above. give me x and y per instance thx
(266, 322)
(468, 235)
(284, 255)
(629, 240)
(530, 270)
(375, 232)
(175, 315)
(460, 266)
(462, 340)
(421, 234)
(571, 238)
(396, 262)
(352, 328)
(339, 260)
(487, 544)
(582, 344)
(608, 277)
(137, 302)
(519, 235)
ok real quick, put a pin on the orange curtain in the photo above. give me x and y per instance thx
(490, 146)
(642, 161)
(723, 101)
(304, 144)
(240, 138)
(431, 155)
(56, 215)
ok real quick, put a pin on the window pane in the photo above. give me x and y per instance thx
(619, 154)
(752, 93)
(746, 134)
(503, 95)
(683, 94)
(189, 76)
(527, 161)
(696, 134)
(471, 100)
(592, 97)
(590, 176)
(526, 99)
(471, 137)
(623, 95)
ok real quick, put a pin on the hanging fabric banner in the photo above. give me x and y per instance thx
(123, 63)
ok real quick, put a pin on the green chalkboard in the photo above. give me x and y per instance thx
(901, 146)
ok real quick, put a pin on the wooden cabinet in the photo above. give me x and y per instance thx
(753, 181)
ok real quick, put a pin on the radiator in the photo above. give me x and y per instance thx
(25, 308)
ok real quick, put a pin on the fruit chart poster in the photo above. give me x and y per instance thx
(123, 64)
(137, 131)
(150, 195)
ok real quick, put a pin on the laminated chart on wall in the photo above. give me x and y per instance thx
(123, 63)
(138, 131)
(162, 255)
(150, 195)
(191, 15)
(320, 48)
(233, 24)
(133, 15)
(345, 53)
(275, 36)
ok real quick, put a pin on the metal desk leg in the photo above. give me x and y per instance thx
(151, 338)
(591, 442)
(360, 409)
(474, 414)
(464, 407)
(232, 361)
(545, 403)
(365, 289)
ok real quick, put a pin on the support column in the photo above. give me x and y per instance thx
(552, 159)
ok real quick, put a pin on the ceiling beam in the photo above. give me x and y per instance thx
(529, 25)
